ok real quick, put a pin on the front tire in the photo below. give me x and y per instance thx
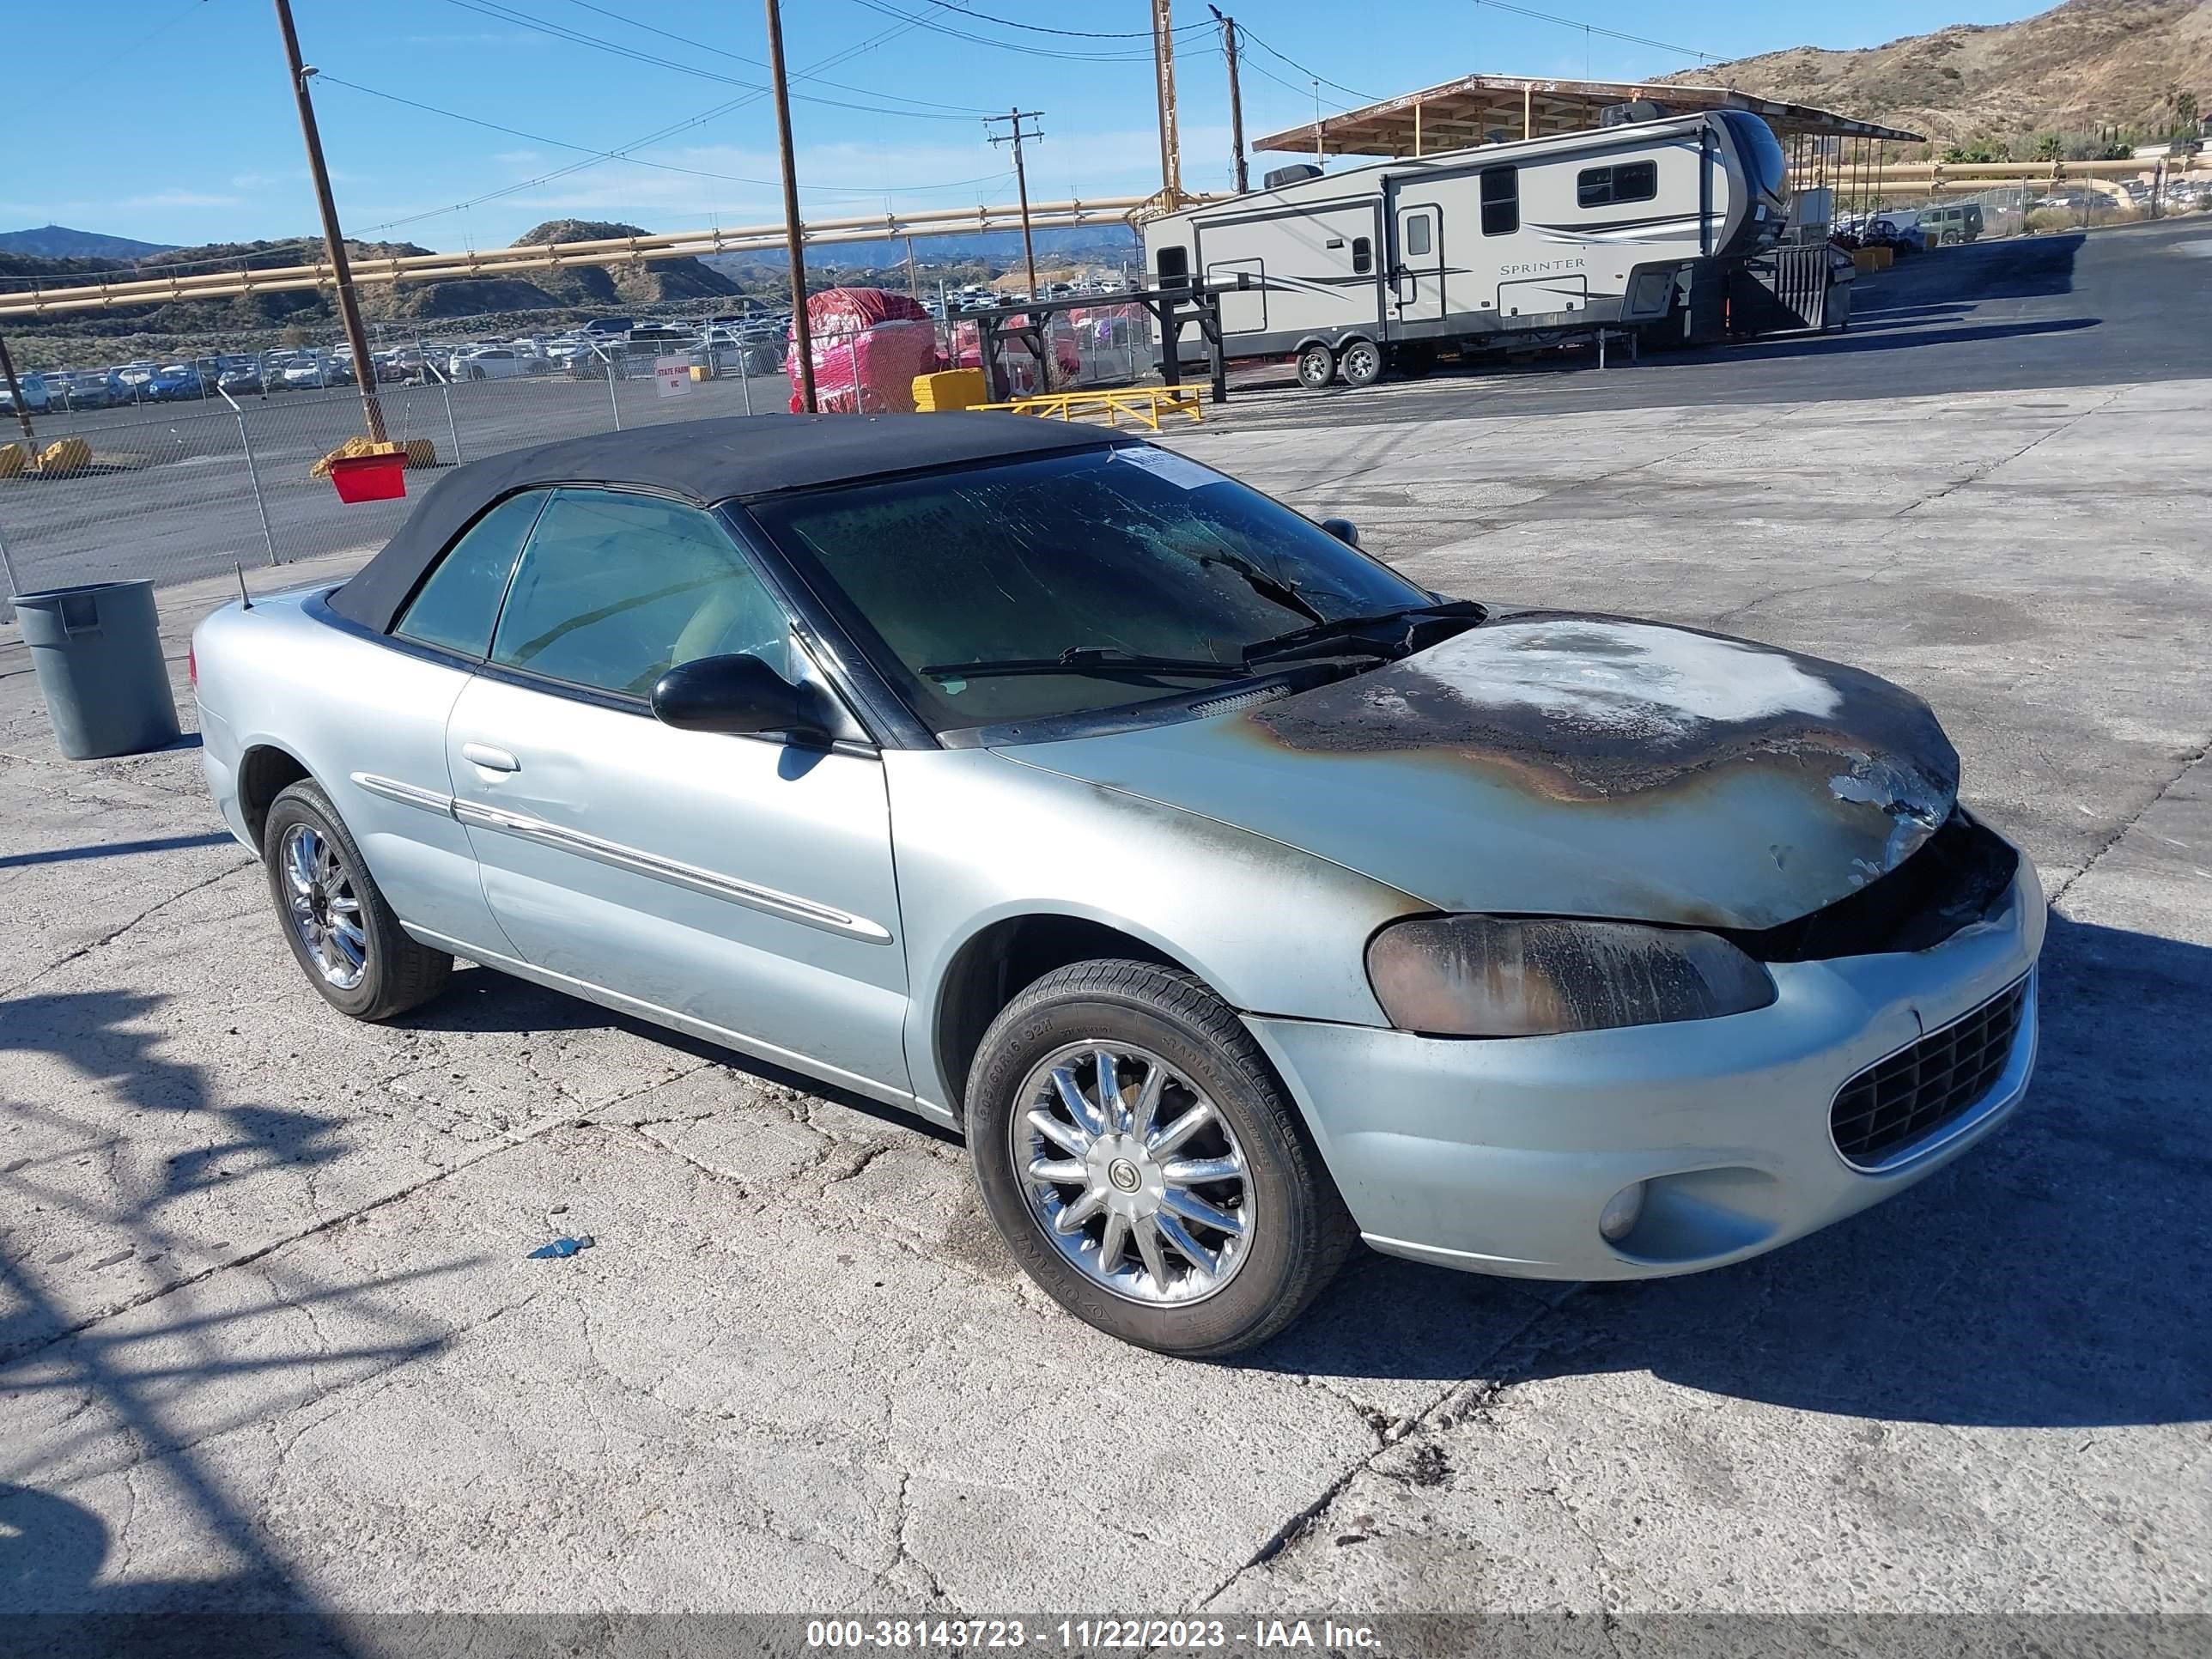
(1316, 367)
(1144, 1165)
(342, 933)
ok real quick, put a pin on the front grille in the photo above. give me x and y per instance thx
(1916, 1091)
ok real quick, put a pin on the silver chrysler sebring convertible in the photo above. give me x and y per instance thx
(1235, 897)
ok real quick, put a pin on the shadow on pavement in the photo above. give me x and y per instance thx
(2049, 1278)
(51, 1553)
(112, 849)
(149, 1394)
(483, 999)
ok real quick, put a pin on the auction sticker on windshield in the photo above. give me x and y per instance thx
(1178, 469)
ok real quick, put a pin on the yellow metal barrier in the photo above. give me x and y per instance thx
(948, 389)
(1147, 405)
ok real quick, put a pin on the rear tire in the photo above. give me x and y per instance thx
(343, 934)
(1361, 365)
(1316, 367)
(1250, 1160)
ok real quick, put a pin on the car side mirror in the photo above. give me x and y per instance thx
(1343, 529)
(739, 696)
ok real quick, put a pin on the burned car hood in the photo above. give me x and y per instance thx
(1570, 765)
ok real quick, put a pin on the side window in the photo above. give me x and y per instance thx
(1501, 201)
(1174, 267)
(1363, 256)
(1418, 239)
(458, 601)
(614, 589)
(1593, 187)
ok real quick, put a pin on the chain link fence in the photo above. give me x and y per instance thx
(182, 490)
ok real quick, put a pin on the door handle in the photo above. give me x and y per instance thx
(491, 759)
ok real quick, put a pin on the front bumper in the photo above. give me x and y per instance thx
(1498, 1156)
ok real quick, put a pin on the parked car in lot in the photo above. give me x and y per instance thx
(92, 389)
(492, 363)
(303, 372)
(38, 397)
(239, 379)
(1235, 896)
(174, 383)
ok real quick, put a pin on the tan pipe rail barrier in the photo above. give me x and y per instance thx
(2003, 173)
(673, 245)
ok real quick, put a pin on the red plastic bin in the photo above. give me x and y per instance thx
(370, 477)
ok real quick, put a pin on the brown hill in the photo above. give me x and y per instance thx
(2079, 67)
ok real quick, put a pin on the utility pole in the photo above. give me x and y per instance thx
(802, 333)
(1014, 135)
(913, 282)
(1236, 99)
(1164, 69)
(16, 398)
(364, 371)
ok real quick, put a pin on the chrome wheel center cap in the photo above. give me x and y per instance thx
(1124, 1174)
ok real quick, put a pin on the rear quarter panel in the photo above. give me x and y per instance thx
(344, 707)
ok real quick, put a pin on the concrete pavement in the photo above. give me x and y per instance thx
(268, 1336)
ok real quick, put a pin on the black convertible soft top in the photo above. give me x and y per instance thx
(702, 461)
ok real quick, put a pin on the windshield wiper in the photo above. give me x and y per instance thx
(1386, 634)
(1283, 594)
(1103, 661)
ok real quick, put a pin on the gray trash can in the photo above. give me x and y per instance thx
(97, 651)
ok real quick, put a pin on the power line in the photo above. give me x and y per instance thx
(1080, 34)
(882, 9)
(110, 59)
(755, 63)
(637, 161)
(1302, 92)
(508, 14)
(623, 150)
(1363, 97)
(1592, 29)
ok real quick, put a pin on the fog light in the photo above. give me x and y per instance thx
(1621, 1212)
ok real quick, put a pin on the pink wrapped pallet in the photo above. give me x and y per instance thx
(869, 344)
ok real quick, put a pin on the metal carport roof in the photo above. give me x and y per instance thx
(1475, 107)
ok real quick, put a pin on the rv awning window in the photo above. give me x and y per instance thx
(1629, 181)
(1501, 201)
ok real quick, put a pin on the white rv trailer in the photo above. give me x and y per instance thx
(1507, 245)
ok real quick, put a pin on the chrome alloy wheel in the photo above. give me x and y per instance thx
(325, 910)
(1133, 1173)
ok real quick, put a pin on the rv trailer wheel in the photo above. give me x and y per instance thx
(1316, 367)
(1361, 364)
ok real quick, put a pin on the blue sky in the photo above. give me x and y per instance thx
(196, 141)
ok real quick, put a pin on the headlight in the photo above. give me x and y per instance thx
(1496, 977)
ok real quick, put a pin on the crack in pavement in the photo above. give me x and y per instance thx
(107, 938)
(2133, 818)
(1305, 1519)
(507, 1142)
(1977, 475)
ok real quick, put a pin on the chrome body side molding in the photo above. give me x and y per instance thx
(687, 876)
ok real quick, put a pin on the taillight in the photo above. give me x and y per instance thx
(192, 666)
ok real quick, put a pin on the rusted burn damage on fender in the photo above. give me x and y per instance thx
(1583, 708)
